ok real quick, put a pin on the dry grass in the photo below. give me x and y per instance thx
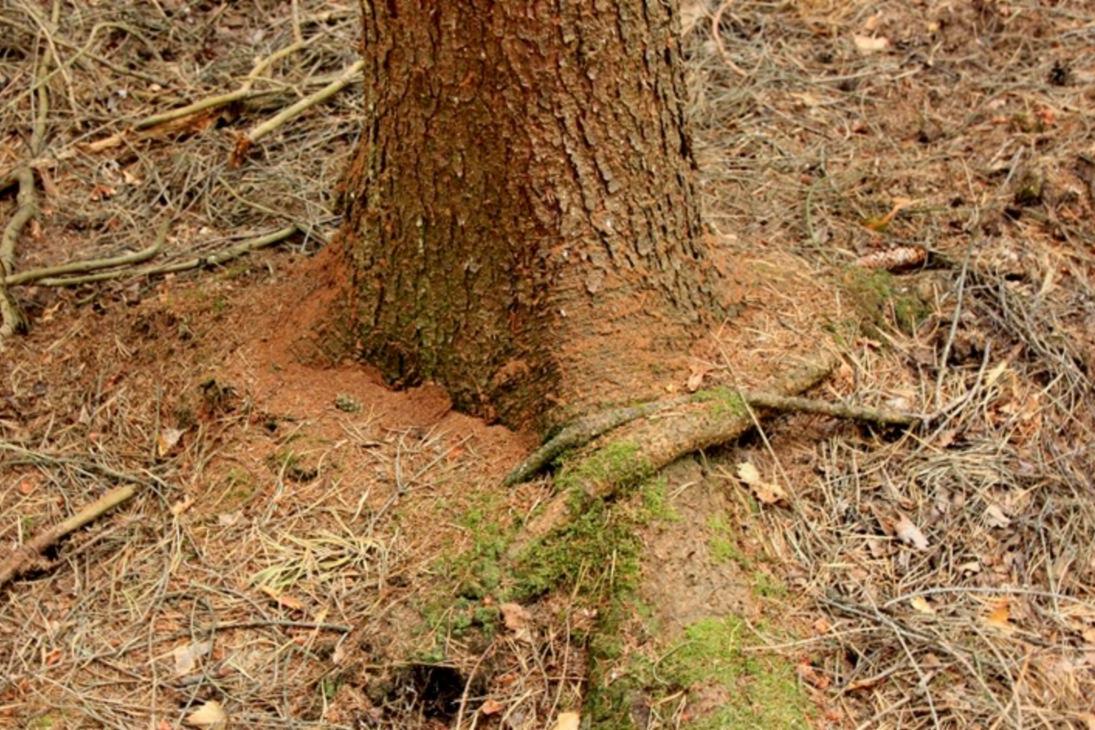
(991, 624)
(288, 547)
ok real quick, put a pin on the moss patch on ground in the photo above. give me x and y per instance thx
(882, 298)
(723, 688)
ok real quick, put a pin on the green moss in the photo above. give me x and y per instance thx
(728, 401)
(239, 488)
(291, 464)
(761, 691)
(758, 691)
(880, 297)
(328, 687)
(595, 554)
(478, 570)
(47, 721)
(721, 543)
(619, 464)
(655, 497)
(347, 403)
(768, 586)
(459, 618)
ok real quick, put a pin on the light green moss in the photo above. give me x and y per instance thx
(757, 691)
(721, 544)
(728, 401)
(619, 464)
(879, 295)
(761, 691)
(768, 586)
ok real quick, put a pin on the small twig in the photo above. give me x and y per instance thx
(25, 556)
(243, 144)
(464, 696)
(116, 68)
(215, 259)
(262, 64)
(295, 11)
(716, 34)
(210, 102)
(79, 267)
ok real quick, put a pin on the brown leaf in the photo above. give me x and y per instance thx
(995, 517)
(921, 605)
(210, 715)
(168, 440)
(187, 656)
(696, 376)
(282, 599)
(181, 506)
(909, 533)
(870, 44)
(491, 707)
(1000, 615)
(567, 721)
(766, 492)
(514, 616)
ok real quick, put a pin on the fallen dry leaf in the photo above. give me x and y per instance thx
(181, 506)
(514, 616)
(870, 44)
(281, 599)
(909, 533)
(766, 492)
(972, 566)
(567, 721)
(210, 715)
(921, 605)
(808, 674)
(187, 656)
(491, 707)
(995, 517)
(1000, 615)
(167, 440)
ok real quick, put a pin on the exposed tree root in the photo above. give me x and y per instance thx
(626, 459)
(583, 431)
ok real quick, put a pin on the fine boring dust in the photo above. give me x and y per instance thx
(305, 547)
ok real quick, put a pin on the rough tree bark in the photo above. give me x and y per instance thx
(521, 220)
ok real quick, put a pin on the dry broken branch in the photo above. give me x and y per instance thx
(12, 319)
(79, 267)
(215, 259)
(261, 130)
(27, 555)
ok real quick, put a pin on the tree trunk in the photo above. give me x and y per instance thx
(521, 220)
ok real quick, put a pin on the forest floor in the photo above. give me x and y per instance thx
(310, 549)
